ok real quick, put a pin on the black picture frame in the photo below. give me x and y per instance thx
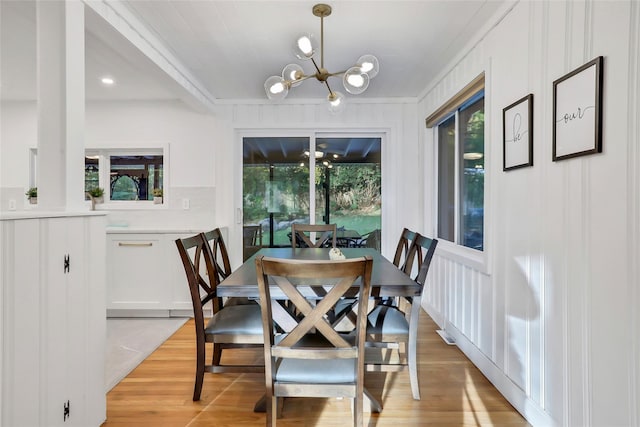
(577, 111)
(517, 134)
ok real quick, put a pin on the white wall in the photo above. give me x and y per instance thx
(18, 132)
(550, 317)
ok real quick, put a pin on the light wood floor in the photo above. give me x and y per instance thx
(159, 391)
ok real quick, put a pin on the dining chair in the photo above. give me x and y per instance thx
(251, 240)
(394, 327)
(372, 239)
(324, 234)
(313, 359)
(230, 326)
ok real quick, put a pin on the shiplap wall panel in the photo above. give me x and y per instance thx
(633, 159)
(563, 327)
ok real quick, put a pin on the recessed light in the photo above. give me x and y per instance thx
(107, 81)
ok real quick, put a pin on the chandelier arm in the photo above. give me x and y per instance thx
(339, 73)
(315, 65)
(328, 87)
(303, 78)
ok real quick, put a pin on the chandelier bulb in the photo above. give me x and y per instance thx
(369, 65)
(305, 46)
(355, 81)
(293, 73)
(276, 87)
(336, 102)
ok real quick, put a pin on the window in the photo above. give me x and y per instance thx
(460, 160)
(134, 177)
(126, 175)
(129, 175)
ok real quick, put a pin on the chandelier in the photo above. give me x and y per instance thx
(355, 79)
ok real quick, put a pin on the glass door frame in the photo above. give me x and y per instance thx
(312, 135)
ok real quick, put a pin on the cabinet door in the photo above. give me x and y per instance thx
(21, 321)
(65, 327)
(137, 273)
(53, 329)
(180, 295)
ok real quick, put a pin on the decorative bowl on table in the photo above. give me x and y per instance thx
(336, 253)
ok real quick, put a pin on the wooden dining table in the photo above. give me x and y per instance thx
(387, 280)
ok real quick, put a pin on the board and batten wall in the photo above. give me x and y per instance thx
(550, 311)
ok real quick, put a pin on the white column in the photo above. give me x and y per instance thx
(61, 104)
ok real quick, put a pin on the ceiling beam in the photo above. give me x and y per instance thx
(134, 30)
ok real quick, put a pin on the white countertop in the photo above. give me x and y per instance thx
(5, 216)
(153, 230)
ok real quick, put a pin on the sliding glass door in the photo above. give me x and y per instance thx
(277, 172)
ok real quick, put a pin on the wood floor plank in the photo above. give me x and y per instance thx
(158, 392)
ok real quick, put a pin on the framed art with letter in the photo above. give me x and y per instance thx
(577, 112)
(517, 134)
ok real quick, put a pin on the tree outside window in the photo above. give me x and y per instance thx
(461, 174)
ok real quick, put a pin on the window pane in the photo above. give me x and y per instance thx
(472, 179)
(446, 179)
(349, 185)
(135, 177)
(275, 183)
(91, 174)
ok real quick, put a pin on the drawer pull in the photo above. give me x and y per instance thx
(135, 244)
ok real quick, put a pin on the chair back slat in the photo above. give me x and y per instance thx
(422, 249)
(403, 253)
(219, 253)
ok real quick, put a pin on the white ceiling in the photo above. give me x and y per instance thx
(231, 47)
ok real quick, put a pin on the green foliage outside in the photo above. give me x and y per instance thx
(354, 192)
(473, 181)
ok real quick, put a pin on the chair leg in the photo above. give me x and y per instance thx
(217, 354)
(358, 410)
(273, 416)
(197, 388)
(269, 409)
(412, 350)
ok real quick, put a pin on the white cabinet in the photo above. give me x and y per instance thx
(146, 276)
(54, 324)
